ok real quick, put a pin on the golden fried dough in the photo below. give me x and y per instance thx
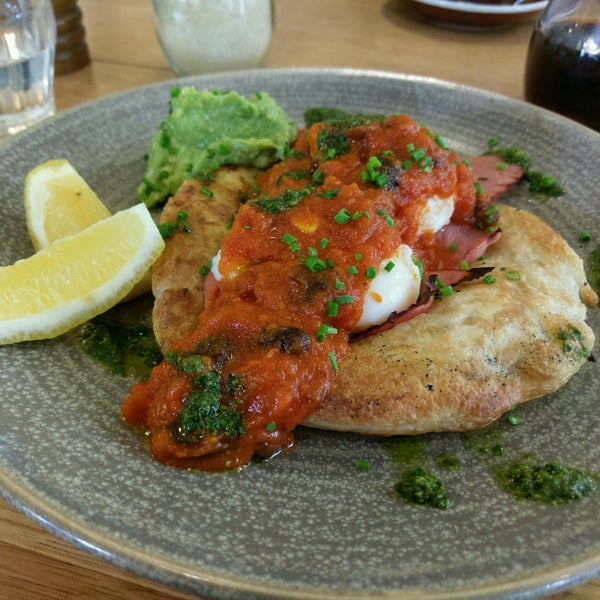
(472, 357)
(177, 284)
(476, 354)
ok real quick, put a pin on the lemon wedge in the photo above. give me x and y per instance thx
(77, 277)
(59, 203)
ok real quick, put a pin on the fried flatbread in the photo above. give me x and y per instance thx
(177, 283)
(461, 365)
(475, 354)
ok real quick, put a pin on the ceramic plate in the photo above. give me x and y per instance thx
(476, 14)
(308, 524)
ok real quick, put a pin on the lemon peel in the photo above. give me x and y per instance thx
(77, 277)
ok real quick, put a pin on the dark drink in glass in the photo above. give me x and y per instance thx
(562, 71)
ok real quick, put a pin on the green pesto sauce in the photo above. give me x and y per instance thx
(525, 476)
(126, 350)
(447, 462)
(550, 483)
(518, 473)
(339, 119)
(593, 274)
(486, 442)
(405, 451)
(420, 486)
(287, 199)
(573, 343)
(416, 484)
(203, 410)
(538, 182)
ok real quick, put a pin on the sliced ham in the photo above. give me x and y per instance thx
(494, 181)
(468, 242)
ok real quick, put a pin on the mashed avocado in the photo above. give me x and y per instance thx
(207, 129)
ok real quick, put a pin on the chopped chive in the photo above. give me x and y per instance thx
(513, 418)
(362, 465)
(463, 265)
(314, 264)
(206, 191)
(352, 270)
(333, 361)
(166, 230)
(441, 142)
(344, 299)
(270, 426)
(446, 291)
(323, 243)
(370, 272)
(385, 216)
(332, 193)
(585, 236)
(339, 285)
(342, 217)
(389, 266)
(317, 176)
(419, 266)
(324, 331)
(332, 309)
(513, 275)
(489, 279)
(291, 241)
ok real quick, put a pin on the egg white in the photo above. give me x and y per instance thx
(214, 266)
(392, 289)
(436, 213)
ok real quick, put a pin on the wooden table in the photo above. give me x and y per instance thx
(377, 34)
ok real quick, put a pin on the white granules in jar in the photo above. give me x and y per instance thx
(202, 36)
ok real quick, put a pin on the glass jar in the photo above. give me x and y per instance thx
(562, 71)
(203, 36)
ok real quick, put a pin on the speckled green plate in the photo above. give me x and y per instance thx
(308, 524)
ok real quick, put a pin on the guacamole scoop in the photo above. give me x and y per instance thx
(207, 129)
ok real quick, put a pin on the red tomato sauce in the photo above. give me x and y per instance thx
(294, 276)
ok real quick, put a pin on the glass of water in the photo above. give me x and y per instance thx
(27, 46)
(204, 36)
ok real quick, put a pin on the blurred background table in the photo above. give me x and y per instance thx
(374, 34)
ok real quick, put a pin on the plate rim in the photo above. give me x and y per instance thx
(460, 6)
(164, 571)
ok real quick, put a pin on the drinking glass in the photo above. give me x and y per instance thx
(27, 45)
(203, 36)
(562, 70)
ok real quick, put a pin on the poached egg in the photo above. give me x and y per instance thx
(397, 281)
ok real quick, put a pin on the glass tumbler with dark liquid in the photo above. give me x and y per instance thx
(562, 71)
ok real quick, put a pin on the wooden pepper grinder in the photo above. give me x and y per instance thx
(71, 48)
